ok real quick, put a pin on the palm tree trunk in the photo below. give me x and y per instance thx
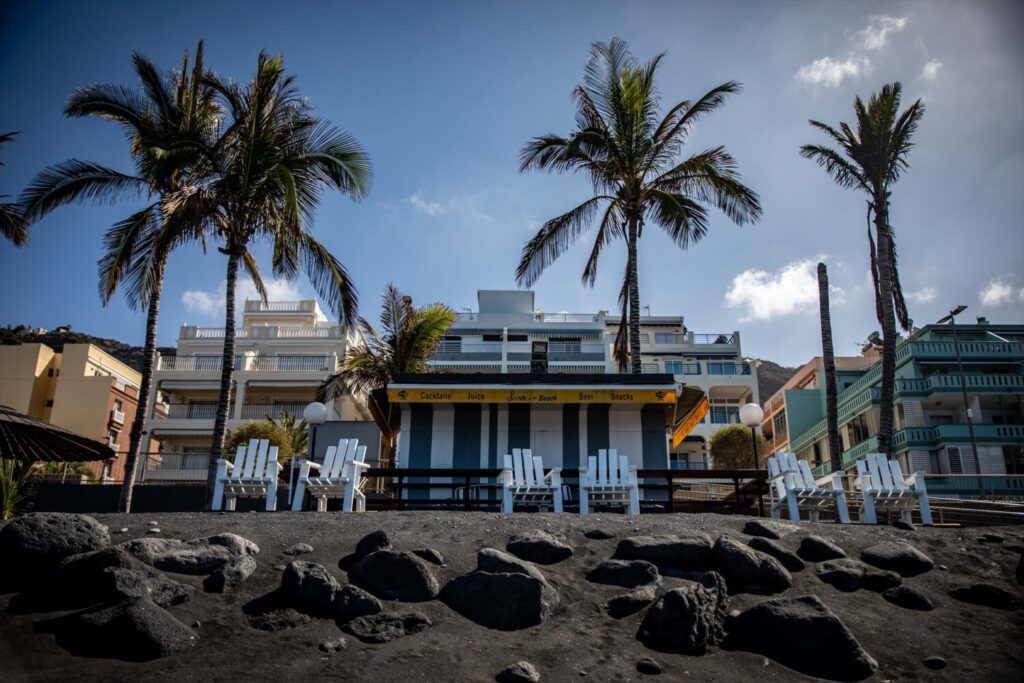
(226, 370)
(889, 339)
(634, 299)
(835, 449)
(145, 389)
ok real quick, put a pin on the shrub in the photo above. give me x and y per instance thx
(731, 449)
(260, 430)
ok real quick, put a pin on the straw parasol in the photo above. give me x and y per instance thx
(26, 438)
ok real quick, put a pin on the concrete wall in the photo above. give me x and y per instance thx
(24, 382)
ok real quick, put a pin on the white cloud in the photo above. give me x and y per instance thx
(999, 291)
(931, 70)
(211, 303)
(876, 35)
(461, 206)
(789, 290)
(424, 206)
(830, 73)
(925, 295)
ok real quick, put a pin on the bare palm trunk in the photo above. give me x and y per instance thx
(634, 299)
(226, 370)
(835, 449)
(885, 285)
(145, 388)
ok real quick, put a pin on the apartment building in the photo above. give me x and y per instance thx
(283, 351)
(800, 402)
(930, 422)
(82, 389)
(712, 363)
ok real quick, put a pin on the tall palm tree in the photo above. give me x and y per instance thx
(268, 170)
(13, 226)
(872, 159)
(169, 110)
(631, 156)
(408, 338)
(835, 449)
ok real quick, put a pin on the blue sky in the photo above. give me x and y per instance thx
(443, 95)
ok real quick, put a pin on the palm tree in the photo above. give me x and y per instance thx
(297, 431)
(872, 159)
(630, 155)
(408, 338)
(835, 449)
(13, 226)
(268, 169)
(169, 110)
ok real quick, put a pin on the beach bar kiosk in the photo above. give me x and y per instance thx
(471, 420)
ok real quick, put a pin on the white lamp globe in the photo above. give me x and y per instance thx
(751, 415)
(315, 413)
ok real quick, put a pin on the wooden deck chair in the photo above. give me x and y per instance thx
(340, 475)
(793, 487)
(523, 481)
(609, 478)
(252, 475)
(883, 487)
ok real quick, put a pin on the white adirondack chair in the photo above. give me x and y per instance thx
(793, 487)
(339, 476)
(252, 475)
(883, 486)
(523, 481)
(609, 478)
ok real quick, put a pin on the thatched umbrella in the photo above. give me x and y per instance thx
(28, 439)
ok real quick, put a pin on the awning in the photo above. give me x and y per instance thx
(284, 383)
(180, 432)
(691, 408)
(26, 438)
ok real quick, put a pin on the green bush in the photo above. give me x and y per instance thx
(16, 489)
(260, 430)
(731, 449)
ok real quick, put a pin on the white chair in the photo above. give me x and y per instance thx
(252, 475)
(883, 486)
(523, 481)
(793, 487)
(339, 476)
(609, 478)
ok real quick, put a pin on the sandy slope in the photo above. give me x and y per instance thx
(579, 642)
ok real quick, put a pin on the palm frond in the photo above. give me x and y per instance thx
(74, 180)
(553, 238)
(125, 242)
(329, 279)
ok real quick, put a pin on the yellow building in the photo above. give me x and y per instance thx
(83, 389)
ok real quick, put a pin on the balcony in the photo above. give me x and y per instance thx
(273, 410)
(308, 306)
(284, 363)
(117, 416)
(179, 467)
(186, 411)
(716, 368)
(1010, 383)
(188, 332)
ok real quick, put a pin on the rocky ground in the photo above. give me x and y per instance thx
(482, 597)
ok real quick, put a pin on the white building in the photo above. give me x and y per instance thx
(283, 351)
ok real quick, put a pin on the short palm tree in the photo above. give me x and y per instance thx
(268, 169)
(296, 429)
(408, 338)
(871, 159)
(631, 156)
(168, 111)
(13, 226)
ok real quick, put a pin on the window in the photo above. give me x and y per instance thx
(779, 423)
(518, 338)
(492, 337)
(112, 437)
(49, 373)
(955, 458)
(118, 406)
(49, 403)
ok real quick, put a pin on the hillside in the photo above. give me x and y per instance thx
(770, 377)
(127, 354)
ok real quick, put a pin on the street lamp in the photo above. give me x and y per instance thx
(751, 415)
(315, 414)
(951, 319)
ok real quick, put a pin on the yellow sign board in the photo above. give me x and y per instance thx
(691, 421)
(553, 396)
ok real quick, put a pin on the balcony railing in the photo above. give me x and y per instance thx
(307, 306)
(187, 411)
(713, 339)
(274, 410)
(728, 368)
(543, 317)
(265, 332)
(193, 363)
(117, 416)
(291, 364)
(181, 467)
